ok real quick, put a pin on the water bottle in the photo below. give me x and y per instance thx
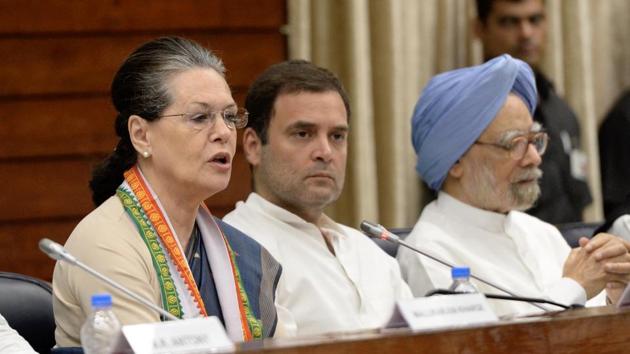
(101, 328)
(461, 281)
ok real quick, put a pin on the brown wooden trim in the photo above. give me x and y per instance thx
(46, 16)
(82, 126)
(87, 65)
(59, 188)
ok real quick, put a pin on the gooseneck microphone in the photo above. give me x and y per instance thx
(530, 300)
(58, 252)
(379, 231)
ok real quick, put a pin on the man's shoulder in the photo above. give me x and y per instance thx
(533, 224)
(236, 236)
(243, 218)
(256, 225)
(522, 217)
(430, 223)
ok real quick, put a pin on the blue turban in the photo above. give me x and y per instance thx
(457, 106)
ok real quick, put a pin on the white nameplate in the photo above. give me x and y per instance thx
(186, 336)
(441, 311)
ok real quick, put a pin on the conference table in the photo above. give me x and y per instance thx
(587, 330)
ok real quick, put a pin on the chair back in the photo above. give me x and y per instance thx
(26, 304)
(572, 232)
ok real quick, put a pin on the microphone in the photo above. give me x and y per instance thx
(58, 252)
(505, 297)
(380, 232)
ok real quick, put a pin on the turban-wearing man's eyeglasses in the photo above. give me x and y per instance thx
(517, 147)
(234, 118)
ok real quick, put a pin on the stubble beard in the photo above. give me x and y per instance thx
(290, 188)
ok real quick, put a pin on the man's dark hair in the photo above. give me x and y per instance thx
(484, 7)
(289, 77)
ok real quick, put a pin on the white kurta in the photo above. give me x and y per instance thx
(515, 251)
(356, 288)
(621, 227)
(11, 341)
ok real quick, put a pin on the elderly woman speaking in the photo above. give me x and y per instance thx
(151, 231)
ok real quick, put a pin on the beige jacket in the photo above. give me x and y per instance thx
(108, 241)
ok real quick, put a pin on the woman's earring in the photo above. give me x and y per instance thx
(146, 154)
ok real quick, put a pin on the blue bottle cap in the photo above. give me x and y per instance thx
(460, 272)
(101, 300)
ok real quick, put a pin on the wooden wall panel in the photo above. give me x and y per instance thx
(59, 126)
(59, 188)
(56, 121)
(62, 126)
(45, 189)
(19, 244)
(45, 16)
(86, 65)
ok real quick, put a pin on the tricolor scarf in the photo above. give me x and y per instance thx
(180, 295)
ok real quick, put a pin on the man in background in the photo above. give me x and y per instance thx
(519, 28)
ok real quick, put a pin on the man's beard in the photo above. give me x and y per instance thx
(517, 196)
(523, 196)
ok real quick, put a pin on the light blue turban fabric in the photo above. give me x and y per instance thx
(457, 106)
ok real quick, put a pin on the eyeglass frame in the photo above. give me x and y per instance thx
(240, 111)
(530, 138)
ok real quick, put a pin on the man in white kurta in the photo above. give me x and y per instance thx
(334, 278)
(478, 146)
(516, 250)
(355, 288)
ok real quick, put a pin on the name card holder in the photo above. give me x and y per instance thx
(442, 311)
(196, 335)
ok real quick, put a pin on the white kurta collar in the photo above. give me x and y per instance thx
(468, 214)
(264, 206)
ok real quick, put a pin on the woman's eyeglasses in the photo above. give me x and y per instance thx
(199, 120)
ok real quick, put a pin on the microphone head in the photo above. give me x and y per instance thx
(55, 250)
(370, 229)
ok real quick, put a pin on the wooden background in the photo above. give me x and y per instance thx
(57, 60)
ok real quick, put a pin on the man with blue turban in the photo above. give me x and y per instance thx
(479, 148)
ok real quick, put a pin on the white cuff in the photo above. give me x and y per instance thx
(568, 292)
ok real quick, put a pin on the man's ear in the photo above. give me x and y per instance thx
(139, 135)
(252, 146)
(478, 28)
(457, 170)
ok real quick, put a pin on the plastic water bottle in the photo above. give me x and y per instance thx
(101, 328)
(461, 281)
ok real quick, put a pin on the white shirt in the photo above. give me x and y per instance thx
(355, 288)
(621, 227)
(11, 341)
(515, 251)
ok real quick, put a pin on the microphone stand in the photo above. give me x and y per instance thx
(127, 292)
(58, 252)
(505, 297)
(378, 231)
